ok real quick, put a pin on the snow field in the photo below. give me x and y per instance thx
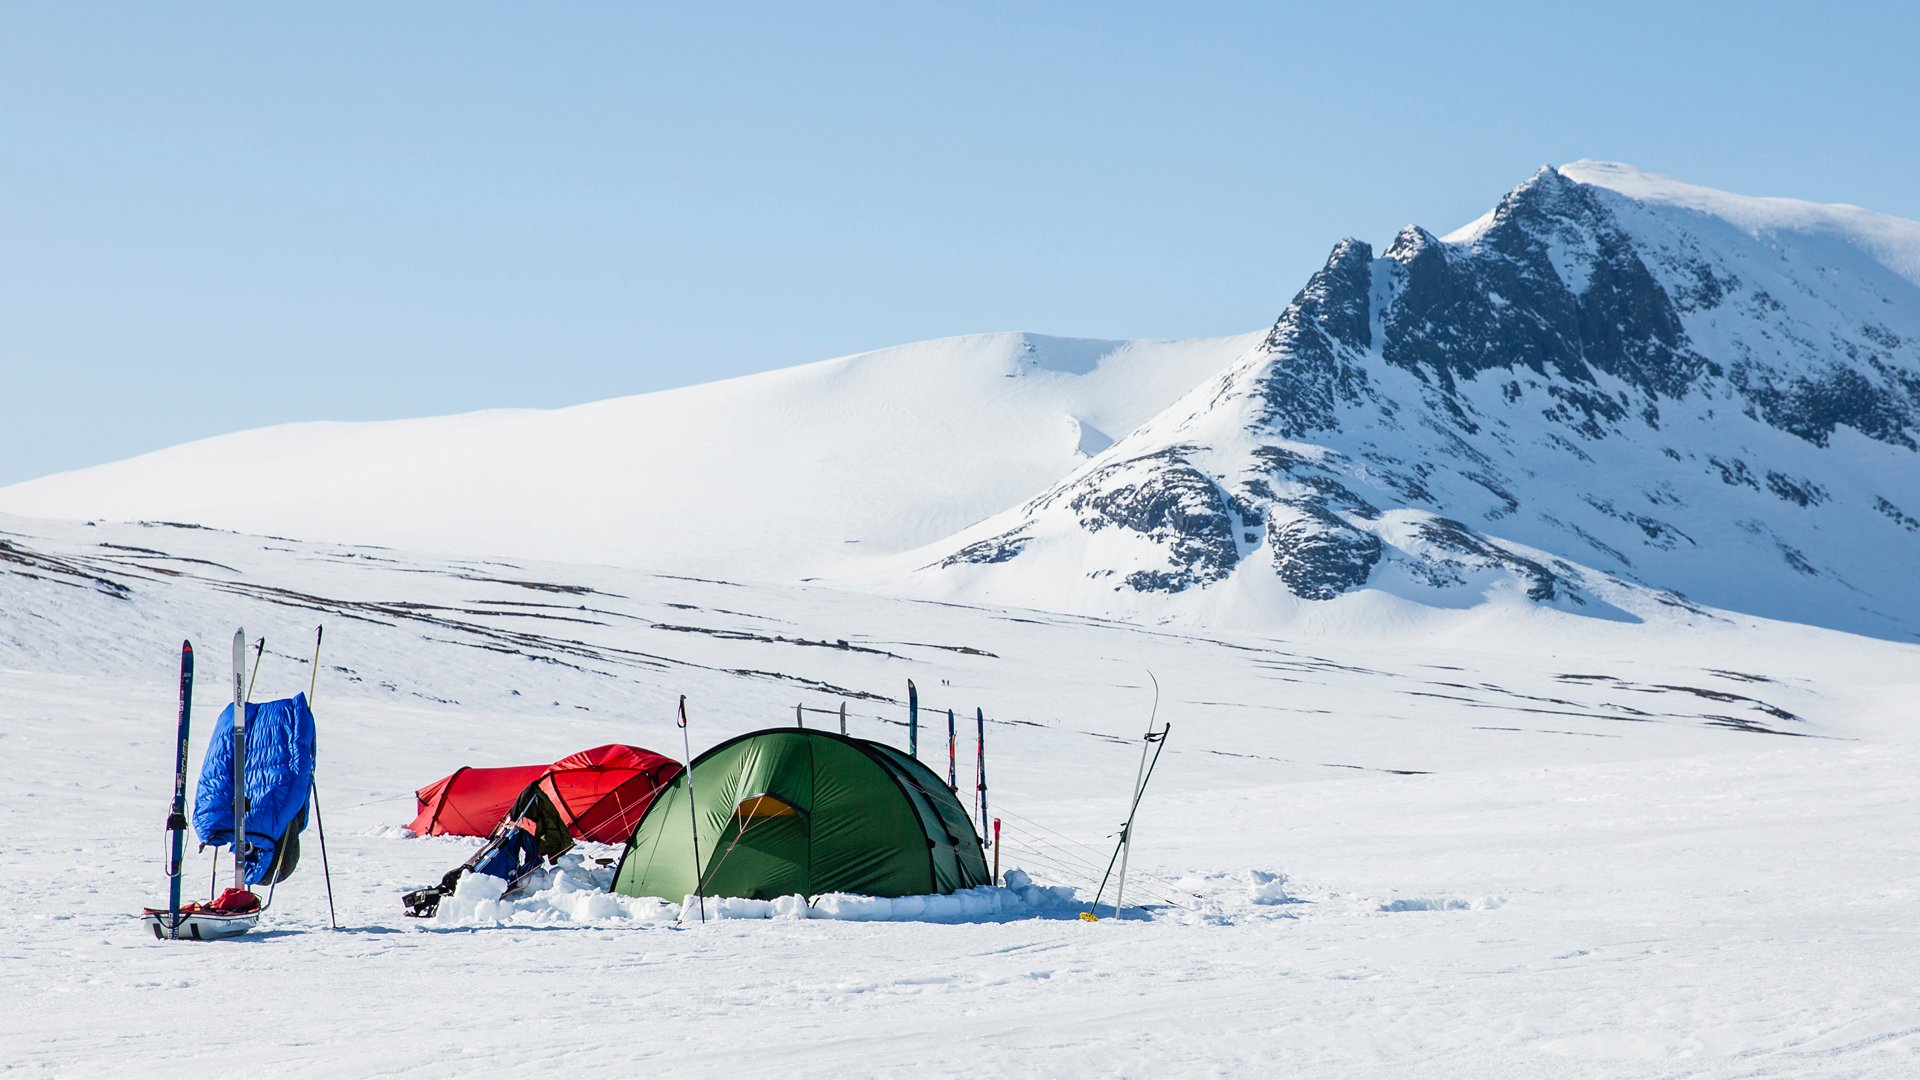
(1511, 849)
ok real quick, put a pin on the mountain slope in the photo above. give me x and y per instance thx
(773, 476)
(1614, 389)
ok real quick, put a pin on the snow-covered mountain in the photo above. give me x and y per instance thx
(774, 476)
(1614, 394)
(1612, 389)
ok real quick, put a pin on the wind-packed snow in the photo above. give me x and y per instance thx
(1893, 241)
(1525, 845)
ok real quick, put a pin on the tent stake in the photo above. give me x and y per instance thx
(996, 851)
(693, 818)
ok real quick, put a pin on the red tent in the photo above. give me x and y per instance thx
(601, 793)
(470, 802)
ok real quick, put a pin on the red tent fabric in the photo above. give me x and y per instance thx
(601, 793)
(470, 802)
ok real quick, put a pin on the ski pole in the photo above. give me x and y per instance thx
(1139, 780)
(313, 679)
(913, 721)
(693, 817)
(313, 789)
(326, 871)
(1144, 774)
(259, 647)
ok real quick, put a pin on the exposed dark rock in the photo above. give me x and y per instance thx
(994, 549)
(1812, 408)
(1470, 550)
(1318, 556)
(1658, 533)
(1316, 339)
(1734, 472)
(1799, 492)
(1901, 517)
(1798, 560)
(1163, 497)
(1554, 286)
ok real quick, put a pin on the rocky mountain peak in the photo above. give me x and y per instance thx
(1583, 395)
(1413, 243)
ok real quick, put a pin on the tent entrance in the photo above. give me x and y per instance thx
(754, 807)
(767, 843)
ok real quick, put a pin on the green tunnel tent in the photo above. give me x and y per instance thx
(793, 810)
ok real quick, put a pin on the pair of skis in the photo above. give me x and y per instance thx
(953, 758)
(1154, 741)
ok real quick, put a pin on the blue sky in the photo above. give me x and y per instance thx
(215, 217)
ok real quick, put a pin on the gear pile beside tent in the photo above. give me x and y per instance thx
(533, 812)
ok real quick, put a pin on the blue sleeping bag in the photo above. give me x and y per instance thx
(280, 752)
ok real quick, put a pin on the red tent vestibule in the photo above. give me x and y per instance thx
(601, 793)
